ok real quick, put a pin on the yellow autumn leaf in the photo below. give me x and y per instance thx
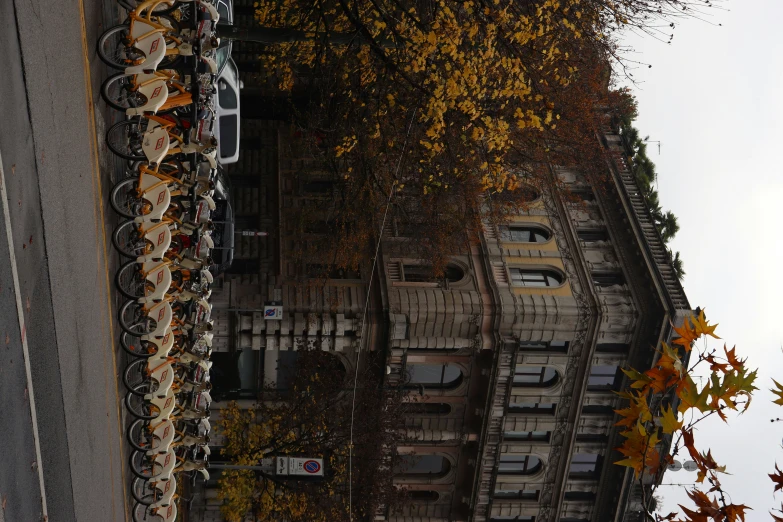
(669, 421)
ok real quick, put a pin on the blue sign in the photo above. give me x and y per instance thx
(312, 466)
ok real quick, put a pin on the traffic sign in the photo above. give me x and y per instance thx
(281, 467)
(274, 313)
(675, 465)
(306, 467)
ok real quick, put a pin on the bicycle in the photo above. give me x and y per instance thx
(149, 138)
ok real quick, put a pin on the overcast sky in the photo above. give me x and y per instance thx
(714, 98)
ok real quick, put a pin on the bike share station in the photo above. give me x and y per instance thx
(165, 87)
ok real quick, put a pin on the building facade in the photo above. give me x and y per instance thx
(528, 342)
(511, 359)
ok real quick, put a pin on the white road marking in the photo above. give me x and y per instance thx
(23, 334)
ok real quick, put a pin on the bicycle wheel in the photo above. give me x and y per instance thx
(145, 513)
(125, 138)
(127, 239)
(139, 436)
(130, 282)
(134, 319)
(140, 408)
(117, 91)
(114, 48)
(144, 492)
(135, 376)
(141, 465)
(124, 198)
(135, 346)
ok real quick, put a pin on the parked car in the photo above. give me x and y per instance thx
(223, 218)
(228, 85)
(227, 113)
(226, 10)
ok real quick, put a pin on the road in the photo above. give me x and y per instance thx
(62, 456)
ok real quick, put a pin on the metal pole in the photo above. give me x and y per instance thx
(265, 469)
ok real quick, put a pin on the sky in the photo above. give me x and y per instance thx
(714, 98)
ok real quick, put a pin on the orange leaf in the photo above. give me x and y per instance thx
(777, 478)
(686, 333)
(702, 327)
(735, 511)
(735, 363)
(693, 516)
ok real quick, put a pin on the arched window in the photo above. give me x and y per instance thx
(536, 278)
(420, 496)
(428, 408)
(453, 273)
(535, 376)
(524, 234)
(532, 408)
(418, 465)
(434, 375)
(519, 464)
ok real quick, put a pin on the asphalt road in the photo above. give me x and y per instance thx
(62, 457)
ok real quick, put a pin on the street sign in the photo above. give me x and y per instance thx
(281, 467)
(274, 313)
(306, 467)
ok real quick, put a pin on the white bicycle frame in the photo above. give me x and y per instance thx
(157, 192)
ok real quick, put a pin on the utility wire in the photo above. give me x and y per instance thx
(364, 317)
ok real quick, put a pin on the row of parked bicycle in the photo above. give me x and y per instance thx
(165, 51)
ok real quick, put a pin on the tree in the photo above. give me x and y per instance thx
(316, 416)
(450, 103)
(665, 404)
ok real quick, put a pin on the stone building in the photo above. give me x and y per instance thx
(512, 357)
(518, 352)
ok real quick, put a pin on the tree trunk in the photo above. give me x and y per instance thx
(279, 35)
